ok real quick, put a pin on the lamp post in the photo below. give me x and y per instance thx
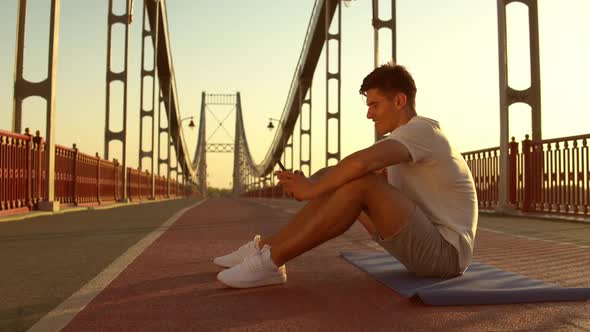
(190, 125)
(270, 126)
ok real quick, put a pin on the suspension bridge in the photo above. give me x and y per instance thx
(90, 242)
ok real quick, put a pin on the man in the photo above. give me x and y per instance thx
(424, 213)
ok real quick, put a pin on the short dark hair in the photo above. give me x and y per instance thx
(391, 78)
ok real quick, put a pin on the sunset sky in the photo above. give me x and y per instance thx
(225, 46)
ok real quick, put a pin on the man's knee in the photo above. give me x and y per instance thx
(367, 181)
(362, 184)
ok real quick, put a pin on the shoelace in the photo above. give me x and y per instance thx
(254, 262)
(245, 247)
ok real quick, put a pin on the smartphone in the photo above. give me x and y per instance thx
(281, 166)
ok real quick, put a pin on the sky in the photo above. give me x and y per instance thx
(225, 46)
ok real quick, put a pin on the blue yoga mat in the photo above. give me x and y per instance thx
(480, 284)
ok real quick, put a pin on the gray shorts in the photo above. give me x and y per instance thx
(420, 247)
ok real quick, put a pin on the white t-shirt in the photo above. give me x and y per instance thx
(439, 181)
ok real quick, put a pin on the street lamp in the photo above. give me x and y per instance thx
(190, 124)
(270, 125)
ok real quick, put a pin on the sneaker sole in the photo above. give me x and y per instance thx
(257, 283)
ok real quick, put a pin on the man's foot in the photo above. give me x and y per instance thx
(255, 271)
(238, 256)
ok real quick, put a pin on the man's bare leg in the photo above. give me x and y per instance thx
(309, 210)
(306, 212)
(367, 223)
(332, 214)
(295, 224)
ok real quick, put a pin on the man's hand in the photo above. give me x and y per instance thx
(296, 185)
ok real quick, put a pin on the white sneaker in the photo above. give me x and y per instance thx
(236, 257)
(255, 271)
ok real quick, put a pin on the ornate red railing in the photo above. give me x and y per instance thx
(15, 165)
(275, 191)
(21, 172)
(65, 175)
(549, 176)
(111, 181)
(485, 168)
(557, 175)
(80, 179)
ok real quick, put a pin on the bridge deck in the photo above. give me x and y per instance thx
(172, 285)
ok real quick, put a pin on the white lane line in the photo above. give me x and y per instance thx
(63, 314)
(533, 238)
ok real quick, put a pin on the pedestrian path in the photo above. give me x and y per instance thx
(48, 258)
(172, 286)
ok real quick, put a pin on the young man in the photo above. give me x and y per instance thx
(424, 213)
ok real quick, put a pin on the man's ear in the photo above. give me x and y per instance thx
(401, 100)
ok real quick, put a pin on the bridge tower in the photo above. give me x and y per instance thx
(208, 102)
(509, 96)
(45, 89)
(147, 106)
(113, 77)
(379, 24)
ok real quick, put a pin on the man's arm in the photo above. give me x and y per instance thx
(383, 154)
(315, 177)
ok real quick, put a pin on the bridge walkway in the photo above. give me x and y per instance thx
(148, 267)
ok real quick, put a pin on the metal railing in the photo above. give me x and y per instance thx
(275, 191)
(485, 168)
(80, 179)
(550, 176)
(556, 175)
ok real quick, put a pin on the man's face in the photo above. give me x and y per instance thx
(384, 110)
